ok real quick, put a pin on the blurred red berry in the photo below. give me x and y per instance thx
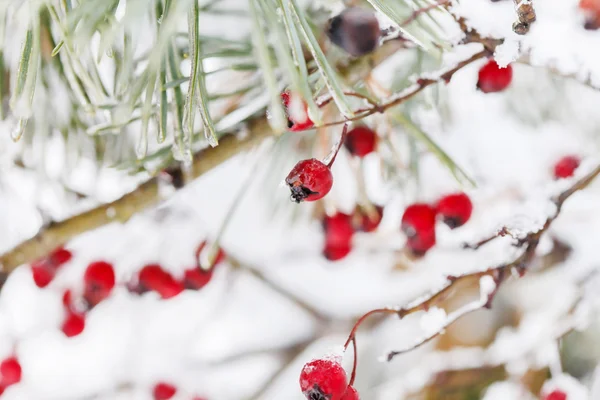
(60, 256)
(153, 277)
(455, 209)
(73, 324)
(492, 78)
(43, 274)
(99, 280)
(10, 370)
(566, 166)
(309, 180)
(361, 141)
(323, 379)
(336, 253)
(418, 224)
(338, 229)
(298, 119)
(351, 394)
(556, 395)
(591, 9)
(196, 278)
(369, 220)
(163, 391)
(356, 30)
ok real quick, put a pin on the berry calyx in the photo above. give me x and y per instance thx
(351, 394)
(493, 79)
(323, 379)
(73, 324)
(309, 180)
(163, 391)
(418, 224)
(153, 277)
(369, 219)
(556, 395)
(10, 372)
(361, 141)
(356, 30)
(99, 280)
(566, 166)
(455, 209)
(296, 111)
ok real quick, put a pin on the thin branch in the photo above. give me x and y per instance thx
(417, 13)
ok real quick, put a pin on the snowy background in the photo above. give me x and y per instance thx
(249, 331)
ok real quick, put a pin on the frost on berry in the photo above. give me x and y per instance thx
(309, 180)
(10, 371)
(455, 209)
(361, 141)
(492, 78)
(556, 395)
(351, 394)
(73, 324)
(356, 30)
(566, 166)
(323, 379)
(99, 280)
(296, 112)
(153, 278)
(163, 391)
(418, 224)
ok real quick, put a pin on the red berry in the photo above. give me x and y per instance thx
(309, 180)
(60, 256)
(10, 369)
(418, 224)
(196, 278)
(351, 394)
(492, 78)
(163, 391)
(335, 253)
(99, 280)
(338, 229)
(153, 277)
(455, 209)
(370, 220)
(200, 255)
(566, 166)
(323, 379)
(42, 273)
(361, 141)
(296, 112)
(73, 324)
(556, 395)
(356, 30)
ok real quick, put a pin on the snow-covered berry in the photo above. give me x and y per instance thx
(10, 372)
(556, 395)
(296, 111)
(323, 379)
(153, 277)
(351, 394)
(356, 30)
(492, 78)
(361, 141)
(455, 209)
(566, 166)
(418, 224)
(99, 280)
(309, 180)
(163, 391)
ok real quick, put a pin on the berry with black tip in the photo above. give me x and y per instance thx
(323, 379)
(556, 395)
(493, 79)
(309, 180)
(356, 30)
(566, 166)
(351, 394)
(455, 209)
(99, 280)
(10, 372)
(361, 141)
(296, 111)
(163, 391)
(418, 224)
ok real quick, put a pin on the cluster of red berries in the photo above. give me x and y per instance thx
(340, 228)
(311, 179)
(591, 9)
(556, 395)
(153, 277)
(493, 79)
(419, 219)
(325, 379)
(566, 166)
(10, 373)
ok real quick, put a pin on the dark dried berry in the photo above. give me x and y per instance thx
(309, 180)
(492, 78)
(356, 30)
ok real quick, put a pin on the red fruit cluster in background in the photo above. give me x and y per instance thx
(295, 122)
(10, 373)
(492, 78)
(44, 270)
(591, 9)
(419, 219)
(361, 141)
(556, 395)
(566, 166)
(163, 391)
(309, 180)
(325, 379)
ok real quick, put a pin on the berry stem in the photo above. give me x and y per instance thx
(354, 363)
(334, 152)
